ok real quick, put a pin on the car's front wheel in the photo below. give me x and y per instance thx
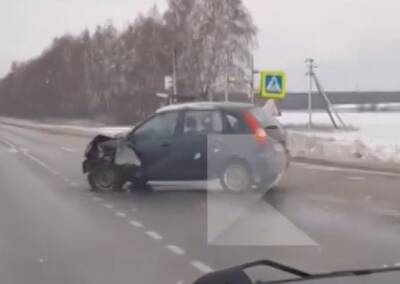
(236, 177)
(105, 178)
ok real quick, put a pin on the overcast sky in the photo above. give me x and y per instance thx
(356, 43)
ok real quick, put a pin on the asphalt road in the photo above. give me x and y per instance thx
(54, 230)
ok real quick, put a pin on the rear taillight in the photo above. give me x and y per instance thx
(258, 132)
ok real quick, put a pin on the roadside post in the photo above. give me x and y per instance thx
(168, 85)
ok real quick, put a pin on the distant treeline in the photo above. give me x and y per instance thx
(117, 73)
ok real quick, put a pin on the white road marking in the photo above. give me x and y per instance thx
(356, 178)
(343, 169)
(41, 163)
(136, 224)
(133, 210)
(154, 235)
(13, 150)
(201, 266)
(74, 184)
(97, 199)
(41, 260)
(69, 150)
(10, 145)
(397, 264)
(121, 214)
(108, 206)
(66, 180)
(176, 250)
(179, 282)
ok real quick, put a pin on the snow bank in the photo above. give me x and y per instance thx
(373, 137)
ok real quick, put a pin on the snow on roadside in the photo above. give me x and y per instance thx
(373, 136)
(67, 128)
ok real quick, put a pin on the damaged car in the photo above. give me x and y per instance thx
(238, 144)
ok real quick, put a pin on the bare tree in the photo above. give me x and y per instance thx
(117, 74)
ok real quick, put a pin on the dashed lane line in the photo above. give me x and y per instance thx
(69, 150)
(175, 249)
(154, 235)
(355, 178)
(74, 184)
(136, 224)
(121, 214)
(201, 266)
(108, 206)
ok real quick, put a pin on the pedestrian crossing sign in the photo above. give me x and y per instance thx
(273, 84)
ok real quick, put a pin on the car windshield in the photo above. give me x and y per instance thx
(156, 141)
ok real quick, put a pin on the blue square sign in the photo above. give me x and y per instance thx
(273, 84)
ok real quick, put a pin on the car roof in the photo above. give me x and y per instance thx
(206, 106)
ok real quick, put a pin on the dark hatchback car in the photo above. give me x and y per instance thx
(239, 144)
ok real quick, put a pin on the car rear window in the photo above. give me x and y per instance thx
(263, 118)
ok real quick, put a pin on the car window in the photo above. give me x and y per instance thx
(202, 122)
(158, 127)
(235, 125)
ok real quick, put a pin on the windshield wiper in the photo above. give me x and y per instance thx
(237, 275)
(336, 274)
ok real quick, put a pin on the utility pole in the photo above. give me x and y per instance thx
(329, 108)
(253, 72)
(227, 77)
(174, 77)
(311, 66)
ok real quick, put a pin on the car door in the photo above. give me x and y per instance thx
(154, 142)
(198, 127)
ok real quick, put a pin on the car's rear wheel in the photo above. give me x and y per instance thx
(236, 177)
(105, 178)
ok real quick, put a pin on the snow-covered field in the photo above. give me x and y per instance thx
(373, 136)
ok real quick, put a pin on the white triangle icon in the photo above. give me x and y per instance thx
(274, 86)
